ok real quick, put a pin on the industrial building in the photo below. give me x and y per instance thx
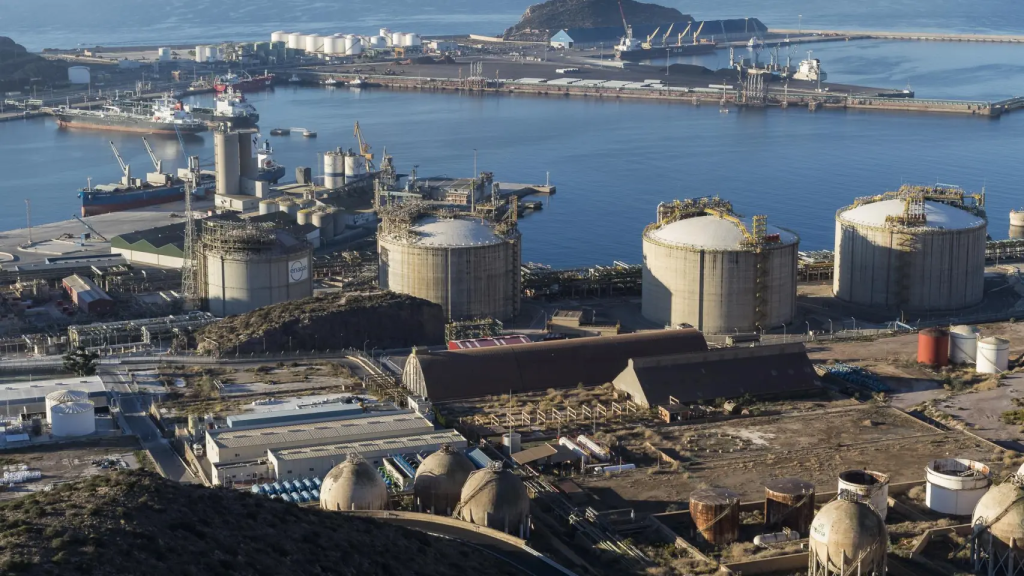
(287, 464)
(706, 267)
(89, 297)
(461, 374)
(777, 371)
(30, 396)
(246, 265)
(470, 266)
(334, 411)
(227, 445)
(916, 249)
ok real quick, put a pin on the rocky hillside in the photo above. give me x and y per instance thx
(332, 322)
(556, 15)
(136, 523)
(18, 67)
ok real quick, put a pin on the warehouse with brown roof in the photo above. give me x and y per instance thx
(462, 374)
(778, 371)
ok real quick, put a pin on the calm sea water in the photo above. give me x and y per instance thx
(66, 23)
(612, 161)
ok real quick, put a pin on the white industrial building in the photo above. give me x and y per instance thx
(29, 396)
(318, 460)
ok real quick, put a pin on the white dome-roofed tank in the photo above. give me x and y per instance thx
(385, 32)
(353, 485)
(963, 344)
(330, 45)
(296, 41)
(397, 38)
(907, 251)
(411, 39)
(870, 486)
(705, 266)
(847, 537)
(314, 43)
(73, 419)
(279, 36)
(496, 498)
(350, 41)
(955, 485)
(998, 522)
(993, 355)
(469, 266)
(378, 42)
(63, 397)
(356, 48)
(439, 480)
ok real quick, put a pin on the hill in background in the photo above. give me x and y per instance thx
(18, 67)
(555, 15)
(136, 523)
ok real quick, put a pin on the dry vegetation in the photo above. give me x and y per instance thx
(135, 523)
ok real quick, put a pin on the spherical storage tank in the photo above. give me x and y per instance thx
(279, 36)
(353, 485)
(439, 480)
(915, 255)
(248, 265)
(963, 344)
(63, 397)
(847, 537)
(468, 266)
(993, 355)
(716, 513)
(495, 498)
(706, 267)
(73, 419)
(955, 486)
(933, 347)
(296, 41)
(79, 75)
(1001, 510)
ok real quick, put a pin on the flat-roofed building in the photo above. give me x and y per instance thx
(90, 298)
(29, 396)
(294, 416)
(318, 460)
(230, 446)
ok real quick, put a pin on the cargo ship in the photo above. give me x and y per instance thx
(157, 188)
(631, 49)
(230, 108)
(243, 83)
(165, 116)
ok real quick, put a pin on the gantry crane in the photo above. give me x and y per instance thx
(158, 164)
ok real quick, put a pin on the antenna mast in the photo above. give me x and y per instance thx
(189, 286)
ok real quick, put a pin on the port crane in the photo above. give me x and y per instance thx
(647, 45)
(697, 33)
(683, 34)
(664, 39)
(158, 164)
(126, 169)
(364, 148)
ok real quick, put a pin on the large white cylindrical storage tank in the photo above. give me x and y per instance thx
(397, 38)
(330, 45)
(385, 32)
(214, 54)
(378, 42)
(355, 167)
(334, 170)
(921, 262)
(349, 43)
(324, 221)
(463, 264)
(296, 41)
(279, 36)
(63, 397)
(955, 486)
(993, 355)
(314, 43)
(268, 206)
(226, 161)
(200, 54)
(963, 344)
(412, 39)
(871, 487)
(79, 75)
(163, 54)
(73, 419)
(706, 271)
(357, 47)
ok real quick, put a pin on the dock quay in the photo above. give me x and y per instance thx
(890, 35)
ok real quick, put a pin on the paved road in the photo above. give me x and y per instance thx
(134, 408)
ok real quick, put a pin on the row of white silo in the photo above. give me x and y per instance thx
(207, 53)
(345, 44)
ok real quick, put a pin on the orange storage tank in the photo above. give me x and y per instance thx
(933, 347)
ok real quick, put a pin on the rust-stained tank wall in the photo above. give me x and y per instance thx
(716, 512)
(933, 347)
(789, 503)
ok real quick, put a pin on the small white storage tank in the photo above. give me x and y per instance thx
(279, 36)
(324, 221)
(963, 344)
(411, 39)
(955, 486)
(993, 355)
(295, 41)
(268, 206)
(73, 419)
(378, 42)
(63, 397)
(305, 216)
(512, 442)
(397, 38)
(79, 75)
(288, 206)
(313, 43)
(201, 53)
(334, 170)
(872, 487)
(163, 54)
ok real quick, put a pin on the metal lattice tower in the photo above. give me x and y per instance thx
(189, 286)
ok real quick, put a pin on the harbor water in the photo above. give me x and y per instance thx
(612, 161)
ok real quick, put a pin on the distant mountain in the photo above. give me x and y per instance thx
(556, 15)
(18, 67)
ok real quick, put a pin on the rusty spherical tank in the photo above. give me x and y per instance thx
(1002, 510)
(847, 537)
(933, 347)
(716, 512)
(788, 503)
(439, 480)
